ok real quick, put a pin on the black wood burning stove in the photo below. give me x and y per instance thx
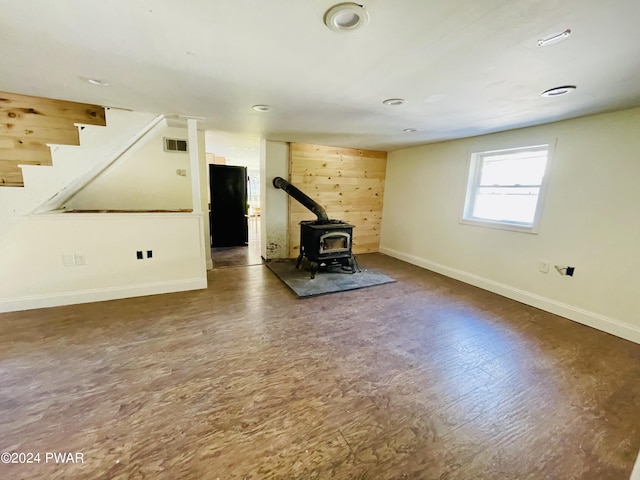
(323, 242)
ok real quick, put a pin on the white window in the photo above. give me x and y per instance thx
(506, 188)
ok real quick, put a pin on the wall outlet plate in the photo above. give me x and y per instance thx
(543, 266)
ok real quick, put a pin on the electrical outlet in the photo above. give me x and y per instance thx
(80, 259)
(568, 271)
(543, 266)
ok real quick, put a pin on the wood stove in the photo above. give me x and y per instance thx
(326, 244)
(323, 242)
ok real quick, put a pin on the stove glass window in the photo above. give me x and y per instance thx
(334, 242)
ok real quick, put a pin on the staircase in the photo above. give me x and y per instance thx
(75, 166)
(28, 125)
(51, 152)
(49, 149)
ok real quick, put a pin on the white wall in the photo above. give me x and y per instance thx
(274, 215)
(589, 221)
(145, 178)
(635, 474)
(34, 250)
(34, 274)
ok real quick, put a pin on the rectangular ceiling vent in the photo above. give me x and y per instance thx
(175, 145)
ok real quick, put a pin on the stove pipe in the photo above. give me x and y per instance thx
(308, 202)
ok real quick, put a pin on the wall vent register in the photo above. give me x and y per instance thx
(175, 145)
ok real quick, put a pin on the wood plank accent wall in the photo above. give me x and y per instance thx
(347, 182)
(28, 124)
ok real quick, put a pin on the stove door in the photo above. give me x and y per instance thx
(335, 242)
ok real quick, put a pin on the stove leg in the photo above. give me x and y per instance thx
(355, 264)
(314, 269)
(299, 261)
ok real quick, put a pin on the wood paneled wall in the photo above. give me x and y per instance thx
(348, 183)
(29, 124)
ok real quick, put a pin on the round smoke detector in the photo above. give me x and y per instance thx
(346, 17)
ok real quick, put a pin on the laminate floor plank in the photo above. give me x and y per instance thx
(426, 378)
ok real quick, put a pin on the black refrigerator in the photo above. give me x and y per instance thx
(229, 203)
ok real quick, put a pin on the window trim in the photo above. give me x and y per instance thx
(471, 186)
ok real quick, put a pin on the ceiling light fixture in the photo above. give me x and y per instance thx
(346, 17)
(410, 130)
(555, 38)
(95, 81)
(559, 91)
(261, 108)
(394, 101)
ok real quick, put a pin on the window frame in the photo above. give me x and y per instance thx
(476, 159)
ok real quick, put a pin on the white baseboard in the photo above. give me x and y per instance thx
(99, 295)
(591, 319)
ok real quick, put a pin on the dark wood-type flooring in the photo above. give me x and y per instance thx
(236, 256)
(240, 256)
(426, 378)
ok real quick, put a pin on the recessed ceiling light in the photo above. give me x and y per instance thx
(95, 81)
(558, 91)
(394, 101)
(261, 108)
(555, 38)
(410, 130)
(346, 17)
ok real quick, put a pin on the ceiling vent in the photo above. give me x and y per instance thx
(175, 145)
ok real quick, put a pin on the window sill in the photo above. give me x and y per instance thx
(513, 227)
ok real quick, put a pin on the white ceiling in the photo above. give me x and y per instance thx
(237, 149)
(466, 67)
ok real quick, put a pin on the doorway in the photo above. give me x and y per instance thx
(240, 153)
(234, 216)
(241, 255)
